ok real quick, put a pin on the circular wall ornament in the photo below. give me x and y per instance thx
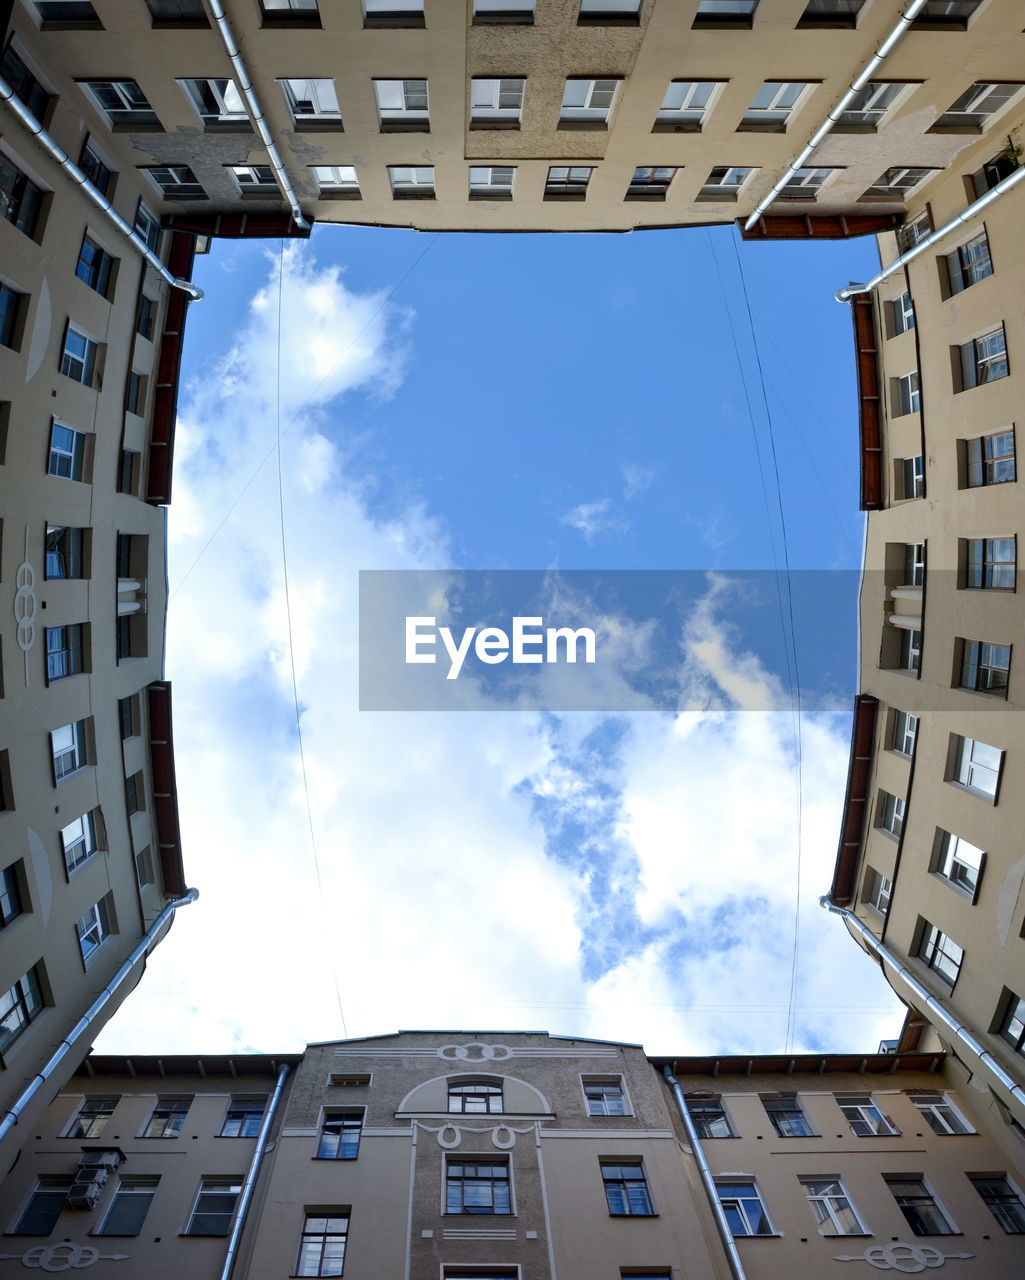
(475, 1051)
(503, 1137)
(25, 605)
(449, 1142)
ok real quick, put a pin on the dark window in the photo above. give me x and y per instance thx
(92, 1118)
(1012, 1024)
(475, 1096)
(77, 12)
(626, 1189)
(983, 360)
(127, 470)
(10, 895)
(1003, 1202)
(605, 1097)
(985, 668)
(26, 87)
(477, 1186)
(94, 266)
(214, 1208)
(339, 1138)
(322, 1247)
(64, 651)
(990, 459)
(243, 1118)
(168, 1118)
(136, 398)
(714, 13)
(919, 1207)
(134, 802)
(20, 198)
(831, 13)
(19, 1004)
(126, 712)
(129, 1207)
(10, 313)
(95, 170)
(994, 171)
(48, 1199)
(787, 1118)
(63, 552)
(709, 1118)
(191, 11)
(147, 317)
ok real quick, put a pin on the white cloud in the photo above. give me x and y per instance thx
(472, 867)
(592, 518)
(636, 480)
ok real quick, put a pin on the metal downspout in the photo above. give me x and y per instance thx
(826, 127)
(75, 173)
(245, 87)
(732, 1256)
(959, 1033)
(239, 1220)
(966, 215)
(10, 1118)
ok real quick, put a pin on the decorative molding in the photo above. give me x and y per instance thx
(53, 1258)
(503, 1136)
(479, 1233)
(908, 1259)
(475, 1051)
(25, 606)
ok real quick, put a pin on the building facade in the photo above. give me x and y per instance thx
(930, 859)
(516, 1156)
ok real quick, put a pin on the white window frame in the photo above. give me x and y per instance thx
(592, 110)
(984, 464)
(697, 98)
(75, 456)
(926, 1193)
(480, 186)
(334, 178)
(971, 112)
(401, 112)
(562, 185)
(417, 183)
(93, 928)
(868, 1113)
(69, 746)
(891, 814)
(968, 771)
(230, 107)
(905, 733)
(737, 1203)
(147, 224)
(902, 313)
(878, 892)
(602, 1081)
(79, 841)
(968, 264)
(914, 564)
(825, 1205)
(913, 468)
(487, 96)
(321, 95)
(772, 115)
(250, 180)
(805, 183)
(872, 103)
(933, 1106)
(908, 398)
(724, 188)
(129, 106)
(983, 359)
(86, 362)
(939, 952)
(169, 179)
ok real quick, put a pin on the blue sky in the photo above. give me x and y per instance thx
(510, 402)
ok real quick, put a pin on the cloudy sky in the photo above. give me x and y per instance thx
(549, 403)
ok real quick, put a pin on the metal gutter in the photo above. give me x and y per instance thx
(245, 87)
(963, 1040)
(728, 1243)
(826, 127)
(239, 1220)
(11, 1117)
(76, 175)
(966, 215)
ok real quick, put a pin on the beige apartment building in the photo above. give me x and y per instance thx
(517, 1156)
(930, 859)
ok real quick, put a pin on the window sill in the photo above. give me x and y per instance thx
(634, 1215)
(413, 18)
(405, 126)
(565, 195)
(298, 20)
(742, 22)
(413, 195)
(499, 19)
(340, 195)
(494, 124)
(759, 126)
(490, 195)
(313, 124)
(584, 126)
(227, 126)
(659, 196)
(608, 20)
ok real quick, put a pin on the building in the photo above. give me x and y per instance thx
(930, 861)
(517, 1156)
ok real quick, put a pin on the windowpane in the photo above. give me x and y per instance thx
(787, 1118)
(91, 1118)
(479, 1186)
(339, 1137)
(941, 1114)
(129, 1207)
(743, 1207)
(833, 1211)
(214, 1207)
(605, 1098)
(19, 1004)
(20, 198)
(626, 1189)
(322, 1247)
(1003, 1202)
(243, 1118)
(48, 1200)
(864, 1116)
(916, 1202)
(168, 1118)
(709, 1118)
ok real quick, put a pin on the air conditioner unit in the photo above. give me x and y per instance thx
(84, 1194)
(94, 1168)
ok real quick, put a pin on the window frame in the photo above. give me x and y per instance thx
(1001, 1199)
(97, 1110)
(321, 116)
(987, 566)
(712, 191)
(348, 1119)
(946, 861)
(88, 361)
(737, 1205)
(492, 114)
(214, 1187)
(23, 202)
(786, 1107)
(587, 114)
(772, 117)
(904, 734)
(241, 1114)
(414, 187)
(600, 1105)
(455, 1187)
(48, 1187)
(828, 1211)
(688, 116)
(704, 1112)
(94, 927)
(70, 757)
(964, 767)
(631, 1194)
(891, 814)
(164, 1113)
(404, 118)
(568, 187)
(872, 104)
(964, 116)
(982, 461)
(136, 1191)
(938, 952)
(907, 394)
(134, 114)
(881, 1127)
(209, 97)
(982, 667)
(479, 190)
(925, 1200)
(475, 1087)
(87, 838)
(325, 1265)
(932, 1106)
(66, 655)
(975, 366)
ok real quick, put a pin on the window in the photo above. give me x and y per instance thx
(518, 11)
(972, 111)
(939, 953)
(254, 179)
(990, 459)
(243, 1118)
(135, 793)
(217, 103)
(477, 1186)
(1012, 1024)
(908, 397)
(11, 905)
(914, 564)
(864, 1116)
(146, 318)
(496, 103)
(44, 1208)
(144, 868)
(985, 668)
(943, 13)
(833, 1211)
(129, 1207)
(148, 226)
(94, 266)
(942, 1116)
(918, 1205)
(958, 861)
(773, 104)
(167, 1118)
(402, 105)
(910, 657)
(686, 104)
(599, 11)
(98, 173)
(724, 183)
(891, 814)
(709, 1118)
(64, 555)
(914, 231)
(905, 731)
(291, 12)
(912, 473)
(135, 398)
(492, 182)
(587, 101)
(831, 13)
(567, 181)
(177, 181)
(868, 106)
(982, 360)
(902, 315)
(79, 357)
(123, 103)
(27, 88)
(79, 840)
(322, 1247)
(65, 651)
(336, 179)
(895, 184)
(69, 745)
(411, 182)
(977, 766)
(10, 317)
(67, 12)
(967, 265)
(994, 171)
(212, 1213)
(787, 1118)
(393, 13)
(990, 563)
(67, 459)
(877, 891)
(805, 184)
(19, 1004)
(743, 1207)
(91, 1118)
(313, 103)
(191, 12)
(1002, 1201)
(732, 13)
(605, 1097)
(339, 1137)
(626, 1189)
(93, 927)
(650, 183)
(475, 1097)
(20, 199)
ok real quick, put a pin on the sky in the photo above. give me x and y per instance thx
(584, 407)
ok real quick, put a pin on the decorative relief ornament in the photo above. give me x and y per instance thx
(475, 1051)
(908, 1259)
(62, 1257)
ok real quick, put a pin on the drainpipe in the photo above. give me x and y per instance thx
(966, 215)
(863, 77)
(12, 1116)
(965, 1045)
(726, 1235)
(239, 1220)
(245, 87)
(76, 175)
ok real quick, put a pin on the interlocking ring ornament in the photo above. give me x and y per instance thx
(475, 1051)
(25, 606)
(908, 1259)
(60, 1257)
